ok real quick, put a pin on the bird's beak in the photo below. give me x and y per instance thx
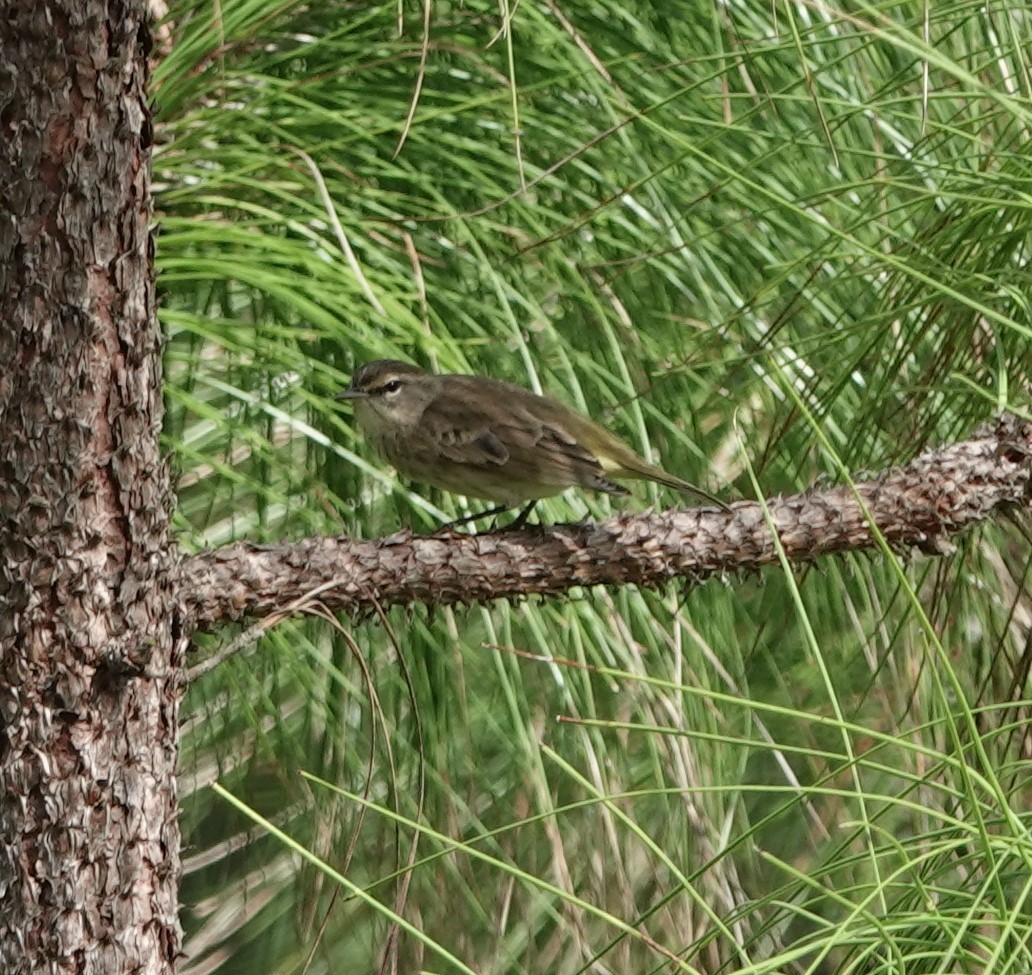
(351, 394)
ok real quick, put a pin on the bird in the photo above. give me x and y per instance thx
(491, 439)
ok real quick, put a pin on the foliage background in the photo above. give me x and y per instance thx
(767, 243)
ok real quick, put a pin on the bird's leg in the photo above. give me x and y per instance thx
(518, 522)
(476, 516)
(521, 518)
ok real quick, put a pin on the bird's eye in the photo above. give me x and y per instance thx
(391, 386)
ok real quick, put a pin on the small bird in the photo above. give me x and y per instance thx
(489, 439)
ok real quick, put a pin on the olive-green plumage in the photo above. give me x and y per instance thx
(490, 439)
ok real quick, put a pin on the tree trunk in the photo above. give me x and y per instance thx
(89, 652)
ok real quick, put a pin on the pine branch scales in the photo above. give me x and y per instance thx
(924, 504)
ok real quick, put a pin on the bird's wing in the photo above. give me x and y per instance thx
(509, 433)
(560, 458)
(448, 427)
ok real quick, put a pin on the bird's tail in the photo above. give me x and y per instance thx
(649, 473)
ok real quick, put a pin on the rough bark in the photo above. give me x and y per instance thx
(89, 656)
(924, 504)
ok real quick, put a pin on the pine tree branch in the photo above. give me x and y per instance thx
(923, 505)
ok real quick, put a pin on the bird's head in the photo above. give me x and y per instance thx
(390, 394)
